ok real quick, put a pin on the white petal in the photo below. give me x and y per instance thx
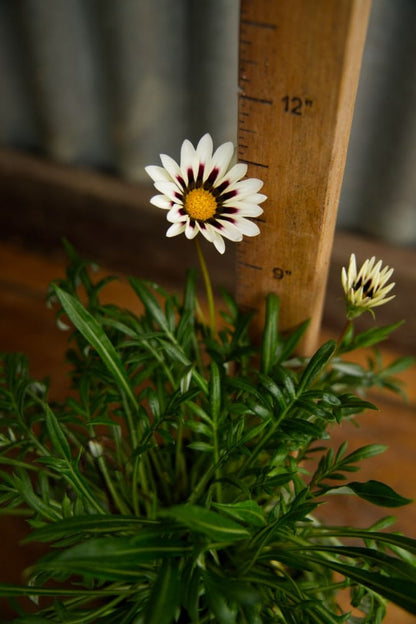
(248, 228)
(344, 280)
(168, 188)
(236, 173)
(229, 230)
(189, 159)
(249, 186)
(191, 230)
(157, 173)
(175, 229)
(245, 209)
(161, 201)
(174, 215)
(352, 271)
(221, 158)
(171, 166)
(256, 198)
(207, 232)
(204, 149)
(219, 243)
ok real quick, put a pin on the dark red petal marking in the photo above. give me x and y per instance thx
(191, 178)
(181, 181)
(215, 224)
(212, 177)
(217, 190)
(228, 195)
(229, 219)
(229, 210)
(200, 173)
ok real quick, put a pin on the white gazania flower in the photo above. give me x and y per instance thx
(204, 194)
(367, 288)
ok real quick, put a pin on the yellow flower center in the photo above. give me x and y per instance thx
(200, 204)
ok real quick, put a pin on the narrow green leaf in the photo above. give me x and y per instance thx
(9, 590)
(401, 541)
(316, 364)
(372, 336)
(378, 493)
(165, 595)
(270, 333)
(248, 512)
(271, 386)
(150, 303)
(224, 612)
(364, 452)
(92, 331)
(399, 365)
(398, 590)
(388, 564)
(86, 525)
(57, 436)
(215, 393)
(210, 523)
(115, 558)
(288, 344)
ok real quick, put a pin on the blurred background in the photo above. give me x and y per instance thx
(109, 85)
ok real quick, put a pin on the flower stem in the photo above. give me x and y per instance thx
(208, 287)
(118, 501)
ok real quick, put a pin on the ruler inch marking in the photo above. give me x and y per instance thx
(254, 163)
(248, 22)
(253, 98)
(250, 266)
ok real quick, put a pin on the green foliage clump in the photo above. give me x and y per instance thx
(178, 480)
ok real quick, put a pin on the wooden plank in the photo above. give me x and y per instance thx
(299, 69)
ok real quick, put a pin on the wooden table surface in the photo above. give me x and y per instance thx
(27, 325)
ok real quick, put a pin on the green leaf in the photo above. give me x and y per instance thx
(316, 365)
(400, 541)
(224, 612)
(386, 563)
(165, 595)
(248, 512)
(272, 387)
(270, 334)
(399, 590)
(210, 523)
(398, 366)
(151, 304)
(378, 493)
(9, 590)
(372, 336)
(115, 558)
(86, 525)
(215, 393)
(364, 452)
(57, 436)
(288, 344)
(92, 331)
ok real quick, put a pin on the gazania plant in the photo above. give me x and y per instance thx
(178, 481)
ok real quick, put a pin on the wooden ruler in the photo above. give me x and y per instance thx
(298, 76)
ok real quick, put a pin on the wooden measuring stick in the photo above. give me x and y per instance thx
(299, 69)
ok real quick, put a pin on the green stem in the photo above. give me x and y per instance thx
(120, 504)
(263, 441)
(342, 335)
(208, 287)
(218, 488)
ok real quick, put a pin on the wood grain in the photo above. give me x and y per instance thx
(299, 69)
